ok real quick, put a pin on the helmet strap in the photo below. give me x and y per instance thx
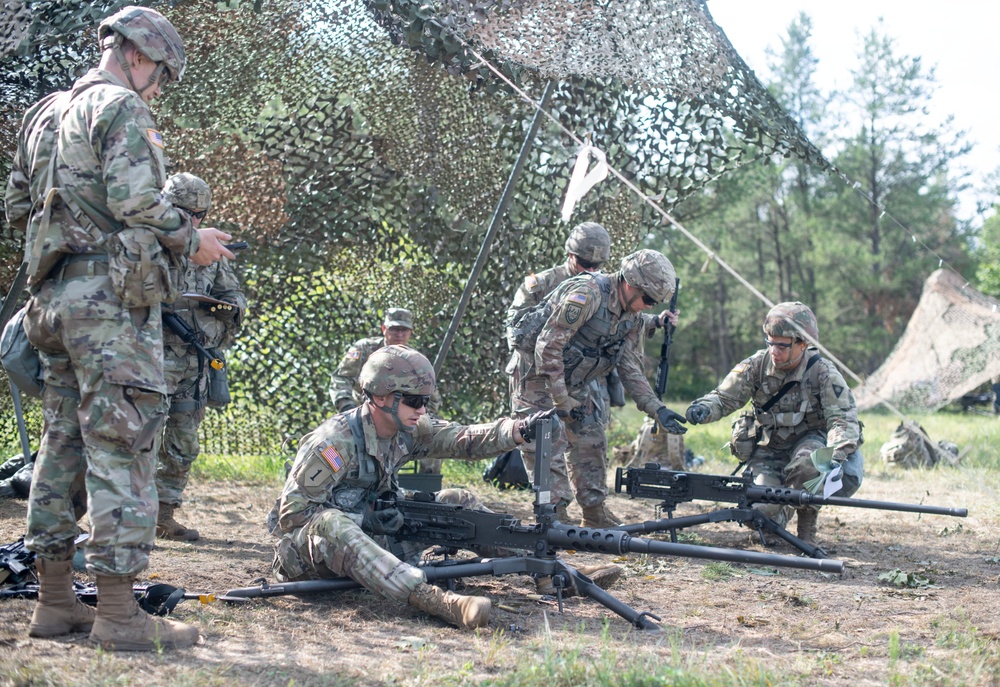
(394, 412)
(638, 294)
(116, 48)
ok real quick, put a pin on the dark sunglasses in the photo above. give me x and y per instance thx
(779, 346)
(414, 401)
(199, 215)
(648, 300)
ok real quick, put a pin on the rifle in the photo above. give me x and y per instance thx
(673, 488)
(155, 599)
(452, 527)
(663, 369)
(179, 327)
(17, 564)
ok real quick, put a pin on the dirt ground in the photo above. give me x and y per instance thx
(808, 627)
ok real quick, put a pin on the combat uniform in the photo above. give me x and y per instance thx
(587, 336)
(180, 446)
(816, 410)
(330, 486)
(104, 401)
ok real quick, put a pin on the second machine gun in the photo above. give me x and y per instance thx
(673, 488)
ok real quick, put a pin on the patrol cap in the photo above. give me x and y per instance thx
(789, 320)
(401, 369)
(188, 192)
(651, 273)
(398, 317)
(150, 32)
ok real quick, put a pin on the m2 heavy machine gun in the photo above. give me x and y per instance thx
(451, 527)
(673, 488)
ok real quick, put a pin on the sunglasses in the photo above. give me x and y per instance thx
(779, 346)
(414, 401)
(649, 301)
(199, 215)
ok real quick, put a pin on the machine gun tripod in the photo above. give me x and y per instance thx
(673, 488)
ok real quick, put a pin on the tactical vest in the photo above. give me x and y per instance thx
(786, 425)
(357, 491)
(597, 346)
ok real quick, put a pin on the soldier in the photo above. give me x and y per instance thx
(324, 515)
(184, 368)
(800, 403)
(345, 388)
(85, 187)
(594, 327)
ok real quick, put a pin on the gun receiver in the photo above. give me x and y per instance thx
(179, 327)
(672, 488)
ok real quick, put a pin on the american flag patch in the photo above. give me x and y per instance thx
(580, 298)
(530, 282)
(353, 355)
(155, 137)
(332, 458)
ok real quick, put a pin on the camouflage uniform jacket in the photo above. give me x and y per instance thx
(536, 287)
(820, 401)
(109, 164)
(329, 473)
(584, 319)
(219, 281)
(345, 383)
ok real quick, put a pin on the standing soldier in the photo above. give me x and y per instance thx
(801, 403)
(594, 327)
(345, 386)
(325, 517)
(185, 370)
(85, 187)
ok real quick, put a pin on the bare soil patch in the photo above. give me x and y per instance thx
(813, 628)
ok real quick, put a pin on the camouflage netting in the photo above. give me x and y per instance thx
(361, 147)
(950, 347)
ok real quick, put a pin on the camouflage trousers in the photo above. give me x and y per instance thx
(103, 407)
(179, 446)
(794, 467)
(332, 544)
(579, 461)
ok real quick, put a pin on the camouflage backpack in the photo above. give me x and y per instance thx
(909, 447)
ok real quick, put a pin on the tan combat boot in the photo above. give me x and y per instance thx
(599, 517)
(122, 625)
(168, 528)
(602, 575)
(807, 524)
(58, 611)
(466, 612)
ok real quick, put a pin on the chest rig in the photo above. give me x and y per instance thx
(598, 344)
(780, 424)
(364, 484)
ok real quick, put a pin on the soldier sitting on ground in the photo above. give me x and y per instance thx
(325, 517)
(801, 403)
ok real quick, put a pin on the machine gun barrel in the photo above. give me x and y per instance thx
(800, 497)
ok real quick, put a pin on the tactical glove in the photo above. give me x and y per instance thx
(697, 413)
(528, 425)
(386, 521)
(670, 421)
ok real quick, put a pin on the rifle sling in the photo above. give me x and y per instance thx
(787, 386)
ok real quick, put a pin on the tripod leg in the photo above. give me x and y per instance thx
(587, 588)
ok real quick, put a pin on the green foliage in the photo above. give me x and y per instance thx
(899, 578)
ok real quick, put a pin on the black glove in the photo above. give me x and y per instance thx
(386, 521)
(670, 421)
(528, 425)
(697, 413)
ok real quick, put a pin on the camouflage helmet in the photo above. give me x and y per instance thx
(589, 241)
(150, 32)
(401, 369)
(651, 273)
(188, 192)
(790, 320)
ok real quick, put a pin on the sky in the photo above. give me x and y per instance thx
(961, 39)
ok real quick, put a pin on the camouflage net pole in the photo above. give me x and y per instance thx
(484, 251)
